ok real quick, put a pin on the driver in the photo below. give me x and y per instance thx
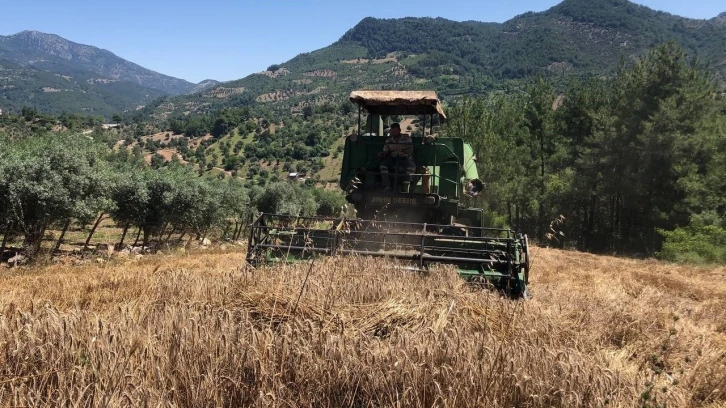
(397, 154)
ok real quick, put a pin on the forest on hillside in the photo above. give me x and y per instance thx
(621, 165)
(577, 36)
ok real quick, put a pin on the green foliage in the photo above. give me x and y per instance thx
(31, 121)
(529, 44)
(235, 200)
(157, 161)
(232, 163)
(700, 244)
(176, 196)
(620, 158)
(621, 14)
(330, 204)
(130, 196)
(286, 197)
(219, 123)
(49, 179)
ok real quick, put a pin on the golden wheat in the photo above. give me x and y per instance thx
(203, 330)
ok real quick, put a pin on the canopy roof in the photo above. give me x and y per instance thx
(399, 102)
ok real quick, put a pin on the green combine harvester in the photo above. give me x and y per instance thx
(415, 216)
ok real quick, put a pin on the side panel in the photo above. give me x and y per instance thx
(470, 169)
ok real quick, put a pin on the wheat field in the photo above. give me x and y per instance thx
(202, 330)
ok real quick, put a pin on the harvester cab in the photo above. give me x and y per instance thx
(408, 193)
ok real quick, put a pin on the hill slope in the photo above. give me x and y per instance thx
(54, 75)
(82, 92)
(599, 332)
(56, 54)
(576, 37)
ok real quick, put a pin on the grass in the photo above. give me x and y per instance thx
(202, 330)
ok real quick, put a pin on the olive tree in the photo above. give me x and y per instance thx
(284, 197)
(52, 179)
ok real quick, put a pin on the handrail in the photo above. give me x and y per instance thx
(402, 234)
(449, 149)
(414, 257)
(393, 223)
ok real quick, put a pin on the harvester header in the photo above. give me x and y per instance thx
(409, 193)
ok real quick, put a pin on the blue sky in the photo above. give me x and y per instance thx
(227, 40)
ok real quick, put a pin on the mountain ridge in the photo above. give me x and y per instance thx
(56, 75)
(33, 48)
(572, 38)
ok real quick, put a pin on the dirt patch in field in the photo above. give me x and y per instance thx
(559, 66)
(162, 137)
(167, 153)
(323, 73)
(274, 74)
(276, 96)
(389, 58)
(558, 102)
(101, 81)
(223, 92)
(317, 90)
(194, 143)
(398, 70)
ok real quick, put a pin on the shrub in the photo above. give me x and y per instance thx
(285, 197)
(694, 244)
(330, 204)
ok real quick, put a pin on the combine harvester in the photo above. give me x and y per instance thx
(419, 218)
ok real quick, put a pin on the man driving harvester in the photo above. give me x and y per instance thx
(397, 154)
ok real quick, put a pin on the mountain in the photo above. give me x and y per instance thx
(82, 92)
(202, 85)
(573, 38)
(54, 75)
(56, 54)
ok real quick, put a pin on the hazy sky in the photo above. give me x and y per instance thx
(227, 40)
